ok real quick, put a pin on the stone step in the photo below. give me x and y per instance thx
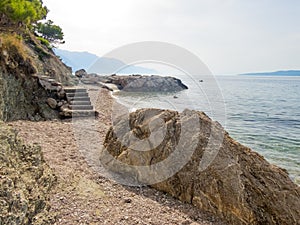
(75, 99)
(73, 90)
(44, 77)
(78, 113)
(81, 107)
(52, 88)
(55, 83)
(77, 94)
(80, 103)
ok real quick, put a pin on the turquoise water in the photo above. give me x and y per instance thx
(262, 113)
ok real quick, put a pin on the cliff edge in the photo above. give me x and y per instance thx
(23, 58)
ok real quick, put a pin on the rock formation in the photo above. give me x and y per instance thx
(23, 59)
(80, 73)
(233, 182)
(25, 182)
(137, 83)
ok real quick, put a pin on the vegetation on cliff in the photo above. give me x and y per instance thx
(49, 32)
(23, 58)
(28, 14)
(24, 11)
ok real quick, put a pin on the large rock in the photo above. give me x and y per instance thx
(52, 103)
(138, 83)
(229, 179)
(25, 182)
(80, 73)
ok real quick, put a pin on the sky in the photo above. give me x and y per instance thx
(229, 36)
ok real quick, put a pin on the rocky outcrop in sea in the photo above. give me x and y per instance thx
(134, 83)
(153, 83)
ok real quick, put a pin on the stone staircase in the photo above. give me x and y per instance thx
(79, 103)
(49, 84)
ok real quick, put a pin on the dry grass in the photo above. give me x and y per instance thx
(13, 43)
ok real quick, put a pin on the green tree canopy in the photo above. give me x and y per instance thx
(25, 11)
(49, 31)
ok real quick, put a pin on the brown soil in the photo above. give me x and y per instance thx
(85, 196)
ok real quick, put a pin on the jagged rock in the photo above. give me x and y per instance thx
(138, 83)
(25, 182)
(52, 103)
(233, 182)
(80, 73)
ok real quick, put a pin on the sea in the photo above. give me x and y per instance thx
(261, 112)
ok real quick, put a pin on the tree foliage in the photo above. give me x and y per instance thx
(30, 12)
(25, 11)
(49, 31)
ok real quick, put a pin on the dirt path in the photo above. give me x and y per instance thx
(84, 196)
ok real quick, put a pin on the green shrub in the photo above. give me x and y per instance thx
(45, 42)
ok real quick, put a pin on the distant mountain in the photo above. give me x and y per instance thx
(77, 60)
(101, 65)
(277, 73)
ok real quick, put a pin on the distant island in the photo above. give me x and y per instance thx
(276, 73)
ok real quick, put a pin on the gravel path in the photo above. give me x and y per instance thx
(83, 195)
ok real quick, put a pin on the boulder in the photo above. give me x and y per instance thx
(80, 73)
(52, 103)
(195, 160)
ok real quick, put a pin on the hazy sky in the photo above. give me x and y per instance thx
(229, 36)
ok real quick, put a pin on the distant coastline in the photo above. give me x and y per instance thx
(276, 73)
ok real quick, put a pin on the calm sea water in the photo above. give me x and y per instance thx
(262, 113)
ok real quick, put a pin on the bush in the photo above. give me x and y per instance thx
(45, 42)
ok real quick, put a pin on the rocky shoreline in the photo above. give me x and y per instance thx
(133, 83)
(82, 195)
